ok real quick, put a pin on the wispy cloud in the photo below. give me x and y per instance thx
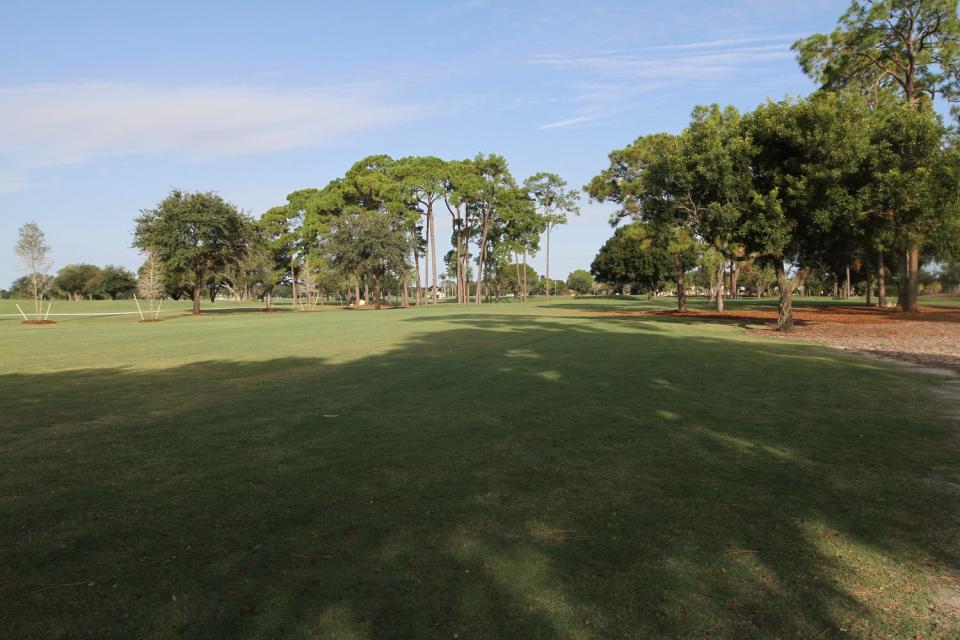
(630, 72)
(713, 44)
(588, 114)
(45, 125)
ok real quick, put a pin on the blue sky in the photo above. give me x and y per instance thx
(104, 106)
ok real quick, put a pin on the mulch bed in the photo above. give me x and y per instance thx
(930, 337)
(38, 322)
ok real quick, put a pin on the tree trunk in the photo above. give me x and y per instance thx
(913, 283)
(356, 290)
(459, 277)
(549, 226)
(869, 272)
(524, 276)
(197, 293)
(785, 306)
(516, 263)
(433, 248)
(904, 282)
(404, 294)
(483, 253)
(376, 291)
(836, 287)
(721, 282)
(734, 276)
(293, 283)
(416, 258)
(881, 282)
(35, 280)
(681, 286)
(846, 285)
(461, 272)
(366, 291)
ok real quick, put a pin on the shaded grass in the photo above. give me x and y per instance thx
(487, 471)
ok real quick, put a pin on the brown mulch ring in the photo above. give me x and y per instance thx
(38, 322)
(930, 337)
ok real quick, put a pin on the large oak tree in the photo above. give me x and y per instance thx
(197, 233)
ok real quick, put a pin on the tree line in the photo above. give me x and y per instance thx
(857, 183)
(372, 229)
(863, 172)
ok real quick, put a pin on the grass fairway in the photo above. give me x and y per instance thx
(494, 471)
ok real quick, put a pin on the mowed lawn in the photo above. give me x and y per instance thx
(547, 470)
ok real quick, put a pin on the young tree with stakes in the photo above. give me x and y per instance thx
(34, 254)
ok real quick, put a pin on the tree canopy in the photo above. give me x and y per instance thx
(196, 234)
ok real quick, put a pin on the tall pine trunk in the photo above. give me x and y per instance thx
(483, 254)
(295, 294)
(881, 281)
(549, 226)
(516, 263)
(459, 271)
(433, 249)
(416, 258)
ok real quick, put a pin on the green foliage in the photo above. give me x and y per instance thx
(78, 280)
(580, 281)
(553, 201)
(194, 234)
(635, 258)
(510, 277)
(371, 244)
(909, 47)
(116, 282)
(20, 288)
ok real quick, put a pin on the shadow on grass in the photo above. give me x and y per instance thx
(503, 479)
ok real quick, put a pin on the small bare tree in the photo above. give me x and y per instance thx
(150, 283)
(308, 280)
(34, 254)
